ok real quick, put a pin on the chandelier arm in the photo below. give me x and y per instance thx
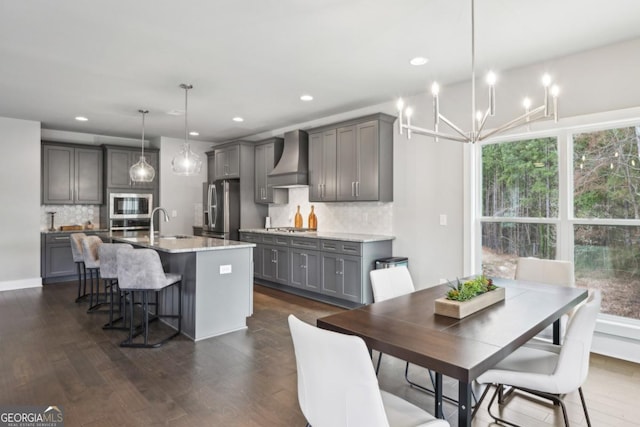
(429, 132)
(484, 120)
(518, 121)
(454, 127)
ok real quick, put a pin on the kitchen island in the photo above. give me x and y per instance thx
(217, 281)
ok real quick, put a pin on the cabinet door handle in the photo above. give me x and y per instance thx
(341, 267)
(304, 258)
(61, 238)
(357, 188)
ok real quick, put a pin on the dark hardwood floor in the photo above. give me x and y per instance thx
(54, 353)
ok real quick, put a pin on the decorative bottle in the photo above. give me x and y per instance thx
(297, 222)
(313, 221)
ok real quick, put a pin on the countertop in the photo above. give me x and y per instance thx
(177, 244)
(349, 237)
(95, 230)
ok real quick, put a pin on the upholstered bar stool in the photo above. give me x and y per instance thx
(78, 257)
(107, 254)
(90, 245)
(140, 270)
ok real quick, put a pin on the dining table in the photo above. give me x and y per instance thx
(408, 328)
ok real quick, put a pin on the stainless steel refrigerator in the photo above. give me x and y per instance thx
(221, 202)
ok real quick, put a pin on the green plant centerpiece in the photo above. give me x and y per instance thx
(464, 291)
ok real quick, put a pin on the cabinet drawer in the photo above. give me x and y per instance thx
(342, 247)
(305, 243)
(57, 238)
(249, 237)
(275, 240)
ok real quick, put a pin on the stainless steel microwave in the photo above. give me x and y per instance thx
(130, 205)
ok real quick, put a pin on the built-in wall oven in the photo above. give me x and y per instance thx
(130, 211)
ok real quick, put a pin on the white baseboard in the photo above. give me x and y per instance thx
(616, 346)
(11, 285)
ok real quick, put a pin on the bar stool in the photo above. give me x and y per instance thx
(107, 254)
(90, 246)
(140, 270)
(78, 258)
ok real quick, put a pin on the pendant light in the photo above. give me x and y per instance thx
(142, 171)
(186, 163)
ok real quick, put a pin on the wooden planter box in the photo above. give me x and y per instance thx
(462, 309)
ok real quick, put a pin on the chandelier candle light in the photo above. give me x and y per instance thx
(142, 171)
(479, 118)
(186, 163)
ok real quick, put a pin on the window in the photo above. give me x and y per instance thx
(519, 182)
(599, 226)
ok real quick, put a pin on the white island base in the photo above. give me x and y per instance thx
(217, 283)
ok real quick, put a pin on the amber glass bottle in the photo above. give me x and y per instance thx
(297, 221)
(313, 221)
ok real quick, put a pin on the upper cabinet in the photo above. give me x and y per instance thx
(211, 166)
(352, 161)
(227, 162)
(71, 174)
(267, 155)
(118, 162)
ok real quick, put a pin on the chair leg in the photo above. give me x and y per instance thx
(584, 407)
(378, 364)
(82, 280)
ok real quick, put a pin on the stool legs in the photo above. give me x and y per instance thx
(82, 281)
(146, 319)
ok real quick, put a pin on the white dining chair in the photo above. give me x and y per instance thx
(548, 271)
(337, 386)
(548, 370)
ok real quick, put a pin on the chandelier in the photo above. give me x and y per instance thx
(187, 162)
(142, 171)
(546, 111)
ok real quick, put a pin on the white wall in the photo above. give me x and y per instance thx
(20, 213)
(181, 195)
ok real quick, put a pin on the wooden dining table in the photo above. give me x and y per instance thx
(406, 327)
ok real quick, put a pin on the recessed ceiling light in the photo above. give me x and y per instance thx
(238, 119)
(419, 60)
(176, 112)
(306, 97)
(194, 133)
(81, 119)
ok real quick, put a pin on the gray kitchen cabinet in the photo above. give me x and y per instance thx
(322, 166)
(120, 159)
(211, 166)
(329, 270)
(352, 161)
(227, 162)
(304, 264)
(71, 174)
(267, 155)
(56, 261)
(342, 276)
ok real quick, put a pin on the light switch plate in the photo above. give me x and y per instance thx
(443, 219)
(225, 269)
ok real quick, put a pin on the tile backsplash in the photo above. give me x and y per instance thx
(69, 215)
(338, 217)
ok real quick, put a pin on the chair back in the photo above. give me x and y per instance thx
(76, 246)
(390, 282)
(107, 253)
(573, 361)
(551, 271)
(140, 269)
(337, 386)
(90, 246)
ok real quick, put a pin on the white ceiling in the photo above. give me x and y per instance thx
(105, 59)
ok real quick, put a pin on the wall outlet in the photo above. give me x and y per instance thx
(174, 213)
(443, 219)
(225, 269)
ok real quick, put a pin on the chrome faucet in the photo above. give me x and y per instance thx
(166, 219)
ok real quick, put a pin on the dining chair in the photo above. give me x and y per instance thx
(107, 252)
(337, 386)
(547, 370)
(90, 245)
(388, 283)
(548, 271)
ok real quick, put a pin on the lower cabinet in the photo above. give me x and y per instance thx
(328, 270)
(56, 261)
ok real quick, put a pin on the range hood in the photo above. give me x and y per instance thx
(292, 169)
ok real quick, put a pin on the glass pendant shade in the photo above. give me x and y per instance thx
(186, 163)
(142, 171)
